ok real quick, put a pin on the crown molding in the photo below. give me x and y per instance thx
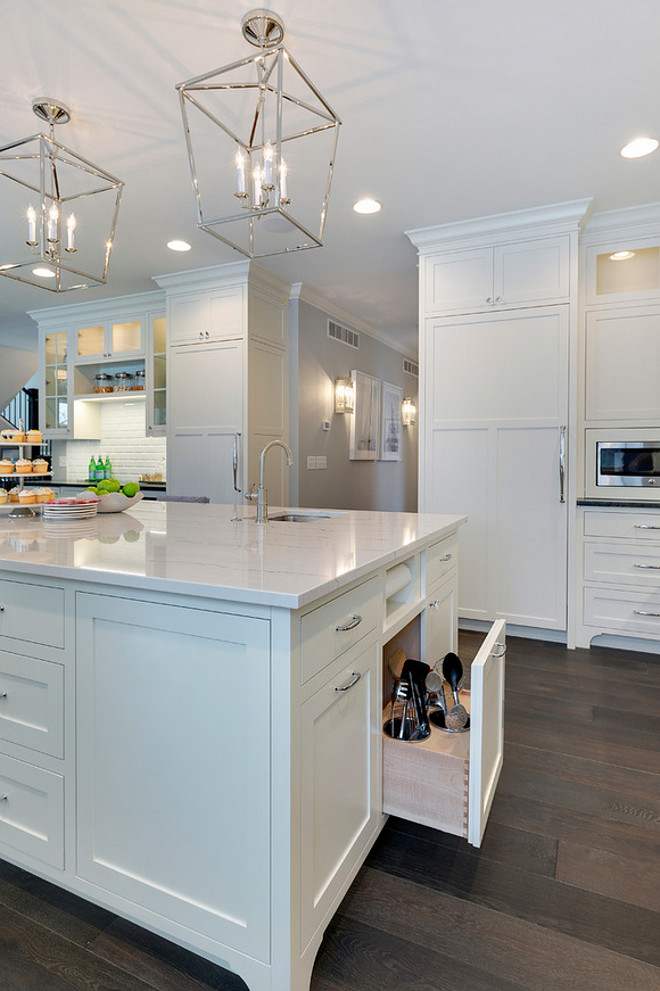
(557, 218)
(640, 220)
(301, 292)
(115, 304)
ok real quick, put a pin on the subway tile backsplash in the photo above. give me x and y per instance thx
(123, 440)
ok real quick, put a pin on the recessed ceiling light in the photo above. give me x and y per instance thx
(44, 273)
(367, 206)
(639, 147)
(622, 256)
(178, 246)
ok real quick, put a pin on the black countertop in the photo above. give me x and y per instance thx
(144, 486)
(615, 504)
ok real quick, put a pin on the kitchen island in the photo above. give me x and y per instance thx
(190, 713)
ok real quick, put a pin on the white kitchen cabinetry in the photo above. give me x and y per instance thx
(118, 341)
(494, 404)
(625, 267)
(622, 362)
(496, 400)
(514, 274)
(228, 380)
(156, 377)
(619, 573)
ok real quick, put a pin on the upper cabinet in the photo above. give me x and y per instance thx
(122, 339)
(212, 315)
(506, 275)
(625, 270)
(54, 373)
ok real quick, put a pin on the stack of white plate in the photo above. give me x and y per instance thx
(70, 509)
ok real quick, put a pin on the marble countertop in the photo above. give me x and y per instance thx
(198, 549)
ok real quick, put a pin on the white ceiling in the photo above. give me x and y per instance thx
(450, 110)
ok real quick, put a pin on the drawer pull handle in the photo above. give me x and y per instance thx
(501, 652)
(447, 557)
(642, 612)
(648, 567)
(646, 526)
(4, 798)
(353, 622)
(2, 608)
(3, 695)
(355, 677)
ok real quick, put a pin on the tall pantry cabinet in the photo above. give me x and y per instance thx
(227, 359)
(498, 313)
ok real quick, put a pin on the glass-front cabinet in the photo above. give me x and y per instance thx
(157, 378)
(55, 413)
(109, 340)
(623, 271)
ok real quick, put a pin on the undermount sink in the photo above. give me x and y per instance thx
(299, 517)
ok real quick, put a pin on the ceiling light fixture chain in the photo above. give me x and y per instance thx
(259, 132)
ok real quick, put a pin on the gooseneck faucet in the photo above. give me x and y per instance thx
(261, 494)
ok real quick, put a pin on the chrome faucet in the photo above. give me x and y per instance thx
(261, 495)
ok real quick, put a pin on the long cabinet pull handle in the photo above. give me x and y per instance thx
(353, 680)
(501, 652)
(642, 612)
(353, 622)
(645, 526)
(648, 567)
(562, 463)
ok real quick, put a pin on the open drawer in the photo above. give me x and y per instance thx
(448, 781)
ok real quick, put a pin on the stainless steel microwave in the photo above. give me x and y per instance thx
(623, 465)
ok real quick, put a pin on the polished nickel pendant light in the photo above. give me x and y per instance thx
(58, 210)
(261, 144)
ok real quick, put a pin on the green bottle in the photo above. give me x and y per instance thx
(100, 469)
(91, 471)
(107, 468)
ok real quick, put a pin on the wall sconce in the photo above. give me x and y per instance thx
(408, 412)
(344, 396)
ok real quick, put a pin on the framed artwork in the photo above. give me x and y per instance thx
(391, 423)
(365, 422)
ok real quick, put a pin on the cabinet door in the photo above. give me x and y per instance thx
(622, 354)
(188, 318)
(173, 770)
(459, 280)
(54, 408)
(156, 378)
(486, 729)
(340, 802)
(532, 271)
(440, 620)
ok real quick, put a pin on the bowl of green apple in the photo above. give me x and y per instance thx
(113, 496)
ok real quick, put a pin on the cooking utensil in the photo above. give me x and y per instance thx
(457, 718)
(453, 672)
(416, 672)
(433, 684)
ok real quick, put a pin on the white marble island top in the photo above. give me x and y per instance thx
(197, 549)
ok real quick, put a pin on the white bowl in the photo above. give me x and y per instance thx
(116, 502)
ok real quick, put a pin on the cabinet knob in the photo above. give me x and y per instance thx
(3, 695)
(150, 428)
(2, 608)
(207, 334)
(3, 798)
(489, 300)
(434, 604)
(499, 299)
(447, 557)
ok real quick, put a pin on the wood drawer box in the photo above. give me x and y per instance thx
(634, 526)
(440, 559)
(448, 781)
(622, 564)
(31, 613)
(623, 611)
(32, 811)
(330, 630)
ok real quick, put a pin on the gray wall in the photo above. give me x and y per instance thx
(316, 361)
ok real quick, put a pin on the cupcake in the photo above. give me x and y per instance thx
(44, 494)
(26, 497)
(13, 493)
(39, 466)
(23, 466)
(4, 497)
(6, 467)
(18, 437)
(34, 437)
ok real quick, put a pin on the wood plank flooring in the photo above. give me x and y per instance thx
(564, 893)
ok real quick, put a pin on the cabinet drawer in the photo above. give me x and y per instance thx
(32, 703)
(31, 613)
(622, 564)
(635, 526)
(448, 781)
(441, 558)
(622, 611)
(32, 811)
(331, 629)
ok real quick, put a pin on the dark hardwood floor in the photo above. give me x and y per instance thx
(563, 895)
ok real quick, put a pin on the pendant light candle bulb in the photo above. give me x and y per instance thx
(53, 217)
(70, 228)
(240, 172)
(257, 177)
(32, 225)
